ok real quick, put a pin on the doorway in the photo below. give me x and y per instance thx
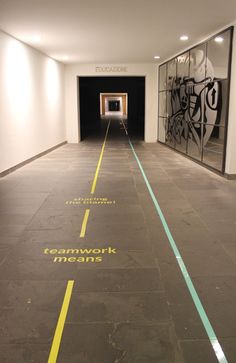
(91, 106)
(114, 104)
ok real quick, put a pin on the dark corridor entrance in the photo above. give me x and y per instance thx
(89, 90)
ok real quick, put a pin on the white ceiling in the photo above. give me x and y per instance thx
(122, 31)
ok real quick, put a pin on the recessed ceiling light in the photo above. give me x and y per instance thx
(183, 37)
(157, 57)
(219, 39)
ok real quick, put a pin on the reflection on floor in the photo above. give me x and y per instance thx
(129, 302)
(211, 155)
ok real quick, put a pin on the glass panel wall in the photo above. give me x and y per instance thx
(162, 77)
(198, 63)
(171, 74)
(162, 115)
(193, 101)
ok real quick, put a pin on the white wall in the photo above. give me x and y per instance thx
(147, 70)
(230, 167)
(31, 102)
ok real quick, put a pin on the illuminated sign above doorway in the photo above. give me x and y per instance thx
(113, 69)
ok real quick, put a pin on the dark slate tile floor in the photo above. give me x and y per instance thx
(132, 306)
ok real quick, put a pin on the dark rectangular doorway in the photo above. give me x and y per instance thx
(89, 90)
(114, 105)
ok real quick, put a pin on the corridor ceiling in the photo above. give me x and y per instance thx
(122, 31)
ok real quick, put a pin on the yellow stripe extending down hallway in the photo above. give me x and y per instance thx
(66, 302)
(84, 224)
(60, 324)
(100, 161)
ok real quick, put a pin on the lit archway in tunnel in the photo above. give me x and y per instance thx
(114, 104)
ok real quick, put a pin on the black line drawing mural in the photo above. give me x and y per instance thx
(194, 104)
(194, 101)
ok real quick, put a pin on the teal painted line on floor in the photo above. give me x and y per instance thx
(200, 309)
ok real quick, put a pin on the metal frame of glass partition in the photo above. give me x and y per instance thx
(194, 101)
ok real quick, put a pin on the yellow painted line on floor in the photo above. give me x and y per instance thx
(84, 224)
(99, 161)
(60, 324)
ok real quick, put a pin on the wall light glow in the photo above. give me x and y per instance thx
(61, 58)
(31, 39)
(36, 38)
(18, 79)
(157, 57)
(52, 81)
